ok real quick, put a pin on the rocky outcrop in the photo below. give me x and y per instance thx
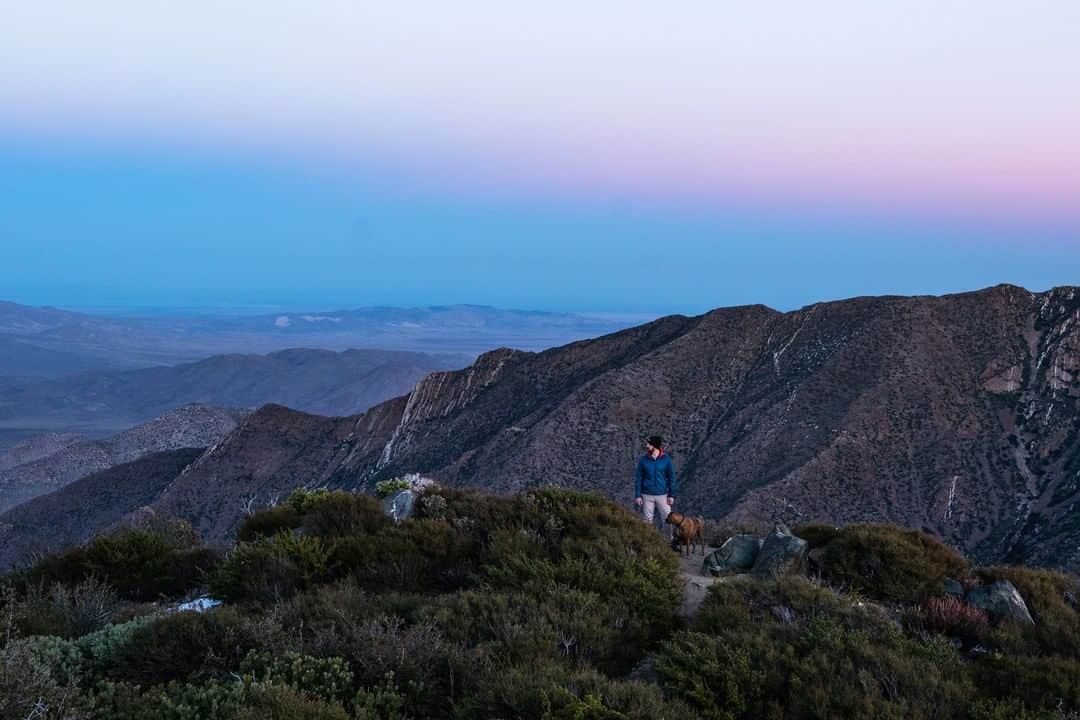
(1002, 601)
(781, 554)
(736, 555)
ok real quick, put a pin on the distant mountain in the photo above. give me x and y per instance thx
(90, 505)
(38, 447)
(45, 342)
(958, 414)
(23, 361)
(184, 427)
(316, 380)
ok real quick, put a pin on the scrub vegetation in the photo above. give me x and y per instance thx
(550, 604)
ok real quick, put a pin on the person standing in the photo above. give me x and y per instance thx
(654, 481)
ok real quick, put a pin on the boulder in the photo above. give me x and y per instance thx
(952, 587)
(736, 555)
(781, 554)
(1002, 601)
(399, 506)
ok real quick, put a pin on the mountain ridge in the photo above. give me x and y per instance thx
(955, 414)
(862, 409)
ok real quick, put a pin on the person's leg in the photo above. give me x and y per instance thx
(648, 508)
(665, 510)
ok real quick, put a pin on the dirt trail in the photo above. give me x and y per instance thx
(696, 584)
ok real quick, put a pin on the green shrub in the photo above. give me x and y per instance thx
(815, 654)
(392, 486)
(382, 702)
(279, 702)
(557, 622)
(28, 689)
(139, 564)
(256, 571)
(712, 675)
(1039, 683)
(470, 512)
(268, 523)
(543, 690)
(187, 646)
(816, 534)
(1011, 709)
(211, 700)
(427, 668)
(325, 678)
(271, 569)
(214, 700)
(411, 556)
(890, 563)
(80, 661)
(343, 514)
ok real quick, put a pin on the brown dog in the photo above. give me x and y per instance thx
(689, 532)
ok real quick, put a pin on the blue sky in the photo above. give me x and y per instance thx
(617, 158)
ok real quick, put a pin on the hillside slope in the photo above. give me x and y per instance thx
(75, 513)
(184, 427)
(957, 414)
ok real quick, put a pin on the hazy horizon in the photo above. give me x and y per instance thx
(245, 310)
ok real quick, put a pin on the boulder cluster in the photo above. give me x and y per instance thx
(781, 553)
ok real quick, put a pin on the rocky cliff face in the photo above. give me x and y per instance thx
(958, 414)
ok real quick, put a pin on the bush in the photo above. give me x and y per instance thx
(271, 569)
(66, 610)
(340, 514)
(816, 534)
(325, 678)
(1011, 709)
(1038, 683)
(28, 688)
(815, 654)
(80, 661)
(426, 667)
(187, 646)
(711, 675)
(215, 700)
(268, 522)
(545, 690)
(174, 701)
(890, 563)
(139, 564)
(557, 622)
(392, 486)
(382, 702)
(278, 702)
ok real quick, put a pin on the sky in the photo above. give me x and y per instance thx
(618, 157)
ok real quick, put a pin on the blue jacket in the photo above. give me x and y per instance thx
(654, 477)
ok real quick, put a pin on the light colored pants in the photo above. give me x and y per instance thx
(652, 503)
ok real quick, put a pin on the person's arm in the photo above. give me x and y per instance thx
(637, 480)
(670, 472)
